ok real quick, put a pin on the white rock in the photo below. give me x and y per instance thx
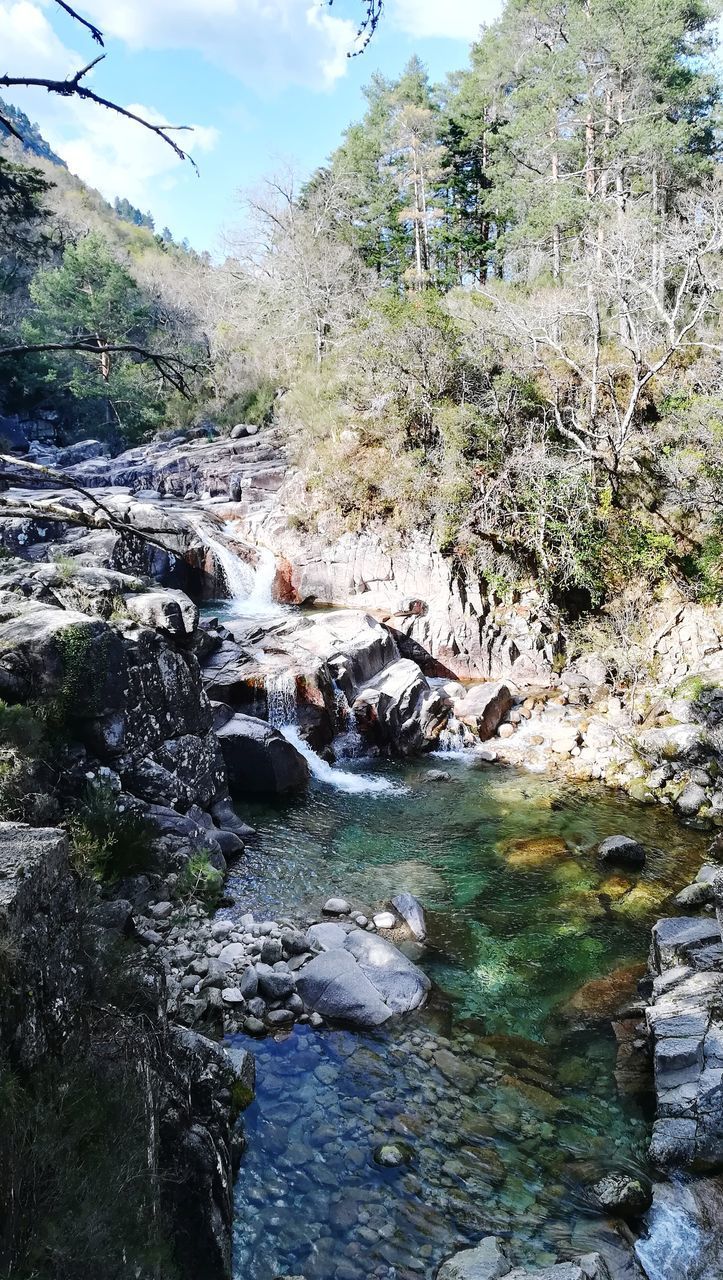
(384, 920)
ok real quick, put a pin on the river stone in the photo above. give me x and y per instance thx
(485, 1262)
(336, 907)
(410, 909)
(621, 1194)
(390, 1155)
(275, 984)
(623, 850)
(232, 953)
(220, 929)
(384, 920)
(232, 995)
(334, 985)
(280, 1018)
(691, 799)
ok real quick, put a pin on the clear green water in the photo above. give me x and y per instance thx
(509, 1111)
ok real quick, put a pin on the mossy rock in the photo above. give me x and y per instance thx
(537, 851)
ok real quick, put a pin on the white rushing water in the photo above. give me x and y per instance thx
(673, 1248)
(354, 783)
(281, 699)
(250, 587)
(281, 704)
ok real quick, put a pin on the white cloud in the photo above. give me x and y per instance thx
(29, 44)
(456, 19)
(110, 153)
(267, 44)
(120, 158)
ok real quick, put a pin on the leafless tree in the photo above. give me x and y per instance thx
(301, 280)
(600, 345)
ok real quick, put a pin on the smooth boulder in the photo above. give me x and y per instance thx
(259, 758)
(359, 978)
(412, 912)
(622, 850)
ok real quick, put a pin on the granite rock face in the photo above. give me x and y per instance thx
(685, 1021)
(59, 965)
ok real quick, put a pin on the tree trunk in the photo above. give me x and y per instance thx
(556, 235)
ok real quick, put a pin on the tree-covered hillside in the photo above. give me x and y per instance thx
(493, 314)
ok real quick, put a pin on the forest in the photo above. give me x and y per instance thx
(494, 314)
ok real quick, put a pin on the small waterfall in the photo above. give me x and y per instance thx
(348, 741)
(261, 599)
(239, 575)
(250, 588)
(354, 783)
(281, 699)
(456, 738)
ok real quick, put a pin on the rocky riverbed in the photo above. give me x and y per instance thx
(492, 1104)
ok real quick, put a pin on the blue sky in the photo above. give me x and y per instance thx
(264, 82)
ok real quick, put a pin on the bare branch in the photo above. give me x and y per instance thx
(94, 31)
(171, 368)
(72, 88)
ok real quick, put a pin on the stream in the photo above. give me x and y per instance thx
(503, 1098)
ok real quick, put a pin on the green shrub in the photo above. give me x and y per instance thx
(200, 881)
(108, 844)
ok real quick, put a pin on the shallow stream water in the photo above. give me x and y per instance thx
(507, 1108)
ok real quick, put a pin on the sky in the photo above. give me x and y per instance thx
(264, 83)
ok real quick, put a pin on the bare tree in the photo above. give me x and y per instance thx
(599, 346)
(301, 279)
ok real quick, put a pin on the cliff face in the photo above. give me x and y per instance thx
(83, 1029)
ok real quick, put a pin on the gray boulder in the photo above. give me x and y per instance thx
(398, 708)
(401, 984)
(259, 758)
(334, 985)
(487, 1262)
(691, 799)
(360, 978)
(411, 911)
(169, 611)
(622, 850)
(620, 1194)
(483, 708)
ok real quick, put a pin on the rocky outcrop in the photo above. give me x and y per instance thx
(399, 710)
(67, 1002)
(483, 707)
(327, 674)
(685, 1021)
